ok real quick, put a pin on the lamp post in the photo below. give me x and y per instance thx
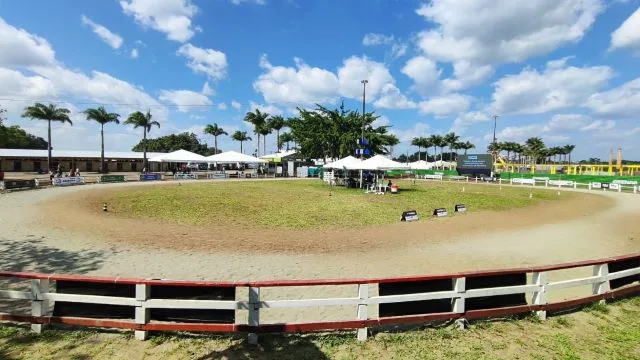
(495, 121)
(364, 96)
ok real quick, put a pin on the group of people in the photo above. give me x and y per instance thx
(58, 173)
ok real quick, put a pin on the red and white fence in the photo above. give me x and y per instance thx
(610, 278)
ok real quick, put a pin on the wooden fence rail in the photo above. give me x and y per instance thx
(467, 295)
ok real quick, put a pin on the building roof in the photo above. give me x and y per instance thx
(74, 154)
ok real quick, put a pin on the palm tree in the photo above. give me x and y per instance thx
(568, 149)
(215, 131)
(241, 136)
(258, 119)
(138, 119)
(419, 142)
(534, 148)
(466, 146)
(451, 139)
(392, 141)
(50, 113)
(285, 138)
(264, 130)
(276, 123)
(434, 140)
(102, 117)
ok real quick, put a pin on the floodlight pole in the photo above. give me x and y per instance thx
(364, 96)
(495, 121)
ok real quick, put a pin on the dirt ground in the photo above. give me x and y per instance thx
(153, 234)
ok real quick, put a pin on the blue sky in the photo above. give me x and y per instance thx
(564, 70)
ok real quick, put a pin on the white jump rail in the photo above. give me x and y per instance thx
(537, 287)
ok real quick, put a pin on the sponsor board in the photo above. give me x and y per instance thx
(523, 181)
(561, 182)
(68, 181)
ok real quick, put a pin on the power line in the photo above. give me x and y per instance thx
(103, 104)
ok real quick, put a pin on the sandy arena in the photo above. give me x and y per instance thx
(43, 231)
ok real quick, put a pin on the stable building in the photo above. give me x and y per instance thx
(25, 160)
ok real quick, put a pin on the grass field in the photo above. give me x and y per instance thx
(598, 332)
(304, 204)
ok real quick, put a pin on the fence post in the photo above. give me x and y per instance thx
(620, 188)
(363, 295)
(546, 183)
(39, 306)
(254, 313)
(575, 185)
(540, 296)
(603, 285)
(589, 185)
(143, 292)
(460, 287)
(635, 189)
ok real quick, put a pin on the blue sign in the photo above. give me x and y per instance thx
(363, 142)
(150, 177)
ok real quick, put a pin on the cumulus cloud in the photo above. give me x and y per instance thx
(206, 89)
(172, 17)
(210, 62)
(628, 34)
(236, 105)
(110, 38)
(23, 49)
(392, 98)
(186, 100)
(465, 75)
(499, 31)
(622, 101)
(445, 105)
(424, 72)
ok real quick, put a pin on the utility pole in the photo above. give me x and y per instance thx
(364, 96)
(495, 121)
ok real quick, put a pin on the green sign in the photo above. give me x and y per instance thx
(111, 178)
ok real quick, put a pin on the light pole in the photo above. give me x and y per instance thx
(364, 96)
(495, 121)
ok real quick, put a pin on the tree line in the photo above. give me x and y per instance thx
(450, 140)
(533, 150)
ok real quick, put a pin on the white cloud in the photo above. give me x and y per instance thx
(258, 2)
(134, 53)
(356, 69)
(466, 75)
(206, 89)
(497, 31)
(186, 100)
(383, 120)
(518, 133)
(111, 39)
(568, 121)
(623, 101)
(301, 84)
(600, 125)
(424, 73)
(418, 129)
(265, 108)
(373, 39)
(392, 98)
(211, 62)
(222, 106)
(23, 49)
(628, 34)
(17, 85)
(236, 105)
(533, 92)
(172, 17)
(445, 105)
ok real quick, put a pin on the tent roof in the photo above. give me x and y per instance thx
(179, 156)
(230, 157)
(379, 162)
(342, 163)
(420, 165)
(279, 154)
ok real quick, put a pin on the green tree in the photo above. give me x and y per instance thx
(241, 136)
(138, 119)
(391, 141)
(102, 117)
(186, 140)
(3, 115)
(258, 119)
(568, 149)
(419, 143)
(451, 139)
(13, 137)
(285, 138)
(535, 149)
(49, 113)
(277, 123)
(467, 145)
(264, 130)
(215, 131)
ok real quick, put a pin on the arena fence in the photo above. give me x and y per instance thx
(144, 305)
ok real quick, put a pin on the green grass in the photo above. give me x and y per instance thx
(305, 204)
(612, 335)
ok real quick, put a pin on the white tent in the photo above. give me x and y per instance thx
(179, 156)
(378, 162)
(420, 165)
(343, 163)
(232, 157)
(278, 155)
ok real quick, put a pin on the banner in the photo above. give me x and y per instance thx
(150, 177)
(216, 175)
(67, 181)
(561, 182)
(185, 177)
(111, 178)
(523, 181)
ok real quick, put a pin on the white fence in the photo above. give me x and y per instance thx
(610, 278)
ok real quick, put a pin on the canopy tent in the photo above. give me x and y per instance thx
(420, 165)
(378, 162)
(343, 163)
(277, 157)
(232, 157)
(179, 156)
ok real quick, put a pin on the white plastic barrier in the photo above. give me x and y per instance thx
(433, 176)
(216, 175)
(185, 177)
(68, 181)
(523, 181)
(625, 182)
(561, 183)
